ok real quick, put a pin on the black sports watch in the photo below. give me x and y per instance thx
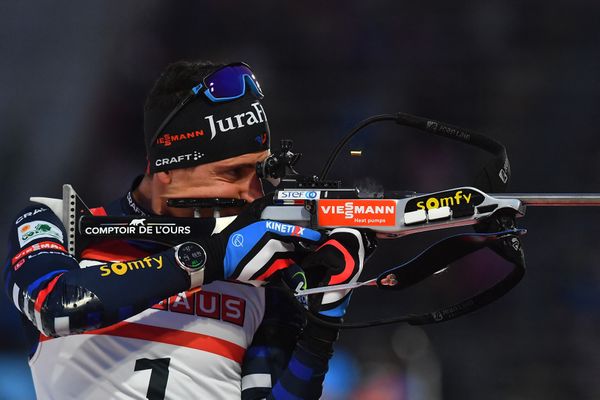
(191, 257)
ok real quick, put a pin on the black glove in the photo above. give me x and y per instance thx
(338, 261)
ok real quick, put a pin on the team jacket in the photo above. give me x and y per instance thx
(100, 330)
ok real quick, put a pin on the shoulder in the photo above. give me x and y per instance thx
(36, 222)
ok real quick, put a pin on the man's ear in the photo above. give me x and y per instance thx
(164, 177)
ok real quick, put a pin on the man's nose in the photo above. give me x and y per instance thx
(253, 190)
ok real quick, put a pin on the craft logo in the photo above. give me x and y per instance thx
(137, 226)
(195, 156)
(29, 214)
(133, 205)
(121, 268)
(357, 212)
(451, 198)
(36, 230)
(248, 118)
(168, 138)
(47, 245)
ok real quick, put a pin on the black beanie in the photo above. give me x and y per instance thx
(204, 131)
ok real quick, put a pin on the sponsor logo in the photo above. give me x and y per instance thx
(29, 214)
(516, 244)
(450, 312)
(261, 139)
(503, 176)
(137, 226)
(18, 265)
(206, 304)
(195, 156)
(36, 230)
(504, 171)
(447, 201)
(252, 117)
(297, 195)
(46, 245)
(448, 131)
(357, 212)
(56, 253)
(168, 138)
(451, 198)
(237, 240)
(121, 268)
(286, 229)
(134, 206)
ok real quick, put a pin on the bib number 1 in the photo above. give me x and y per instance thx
(158, 376)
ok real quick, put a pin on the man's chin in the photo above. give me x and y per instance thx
(228, 212)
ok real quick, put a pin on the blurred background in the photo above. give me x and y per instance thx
(73, 77)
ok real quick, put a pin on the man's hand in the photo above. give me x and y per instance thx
(339, 260)
(252, 249)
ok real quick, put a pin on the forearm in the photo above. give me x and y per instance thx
(286, 360)
(102, 295)
(62, 299)
(303, 378)
(47, 285)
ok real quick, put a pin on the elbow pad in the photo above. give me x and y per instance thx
(70, 309)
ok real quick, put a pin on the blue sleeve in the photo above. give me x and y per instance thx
(283, 361)
(48, 287)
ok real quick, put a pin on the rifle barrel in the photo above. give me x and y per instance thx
(554, 199)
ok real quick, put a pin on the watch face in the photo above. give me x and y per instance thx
(191, 255)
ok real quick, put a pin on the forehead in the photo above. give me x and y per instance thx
(250, 158)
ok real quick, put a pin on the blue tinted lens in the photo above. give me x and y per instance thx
(230, 82)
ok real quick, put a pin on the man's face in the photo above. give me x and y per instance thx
(231, 178)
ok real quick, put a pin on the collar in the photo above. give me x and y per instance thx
(128, 203)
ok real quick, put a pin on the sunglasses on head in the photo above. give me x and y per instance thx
(229, 83)
(224, 84)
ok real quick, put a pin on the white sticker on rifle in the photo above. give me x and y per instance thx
(36, 230)
(298, 195)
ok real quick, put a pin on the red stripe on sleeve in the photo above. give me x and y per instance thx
(113, 250)
(44, 293)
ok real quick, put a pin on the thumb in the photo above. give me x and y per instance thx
(295, 278)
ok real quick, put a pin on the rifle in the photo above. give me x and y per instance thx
(318, 203)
